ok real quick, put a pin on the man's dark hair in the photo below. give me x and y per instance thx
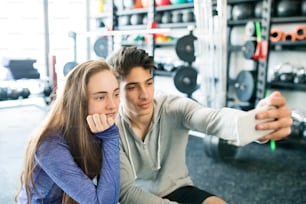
(127, 58)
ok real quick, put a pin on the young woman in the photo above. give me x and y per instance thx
(74, 157)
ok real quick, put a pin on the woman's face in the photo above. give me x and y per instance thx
(103, 94)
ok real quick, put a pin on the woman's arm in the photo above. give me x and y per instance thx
(60, 166)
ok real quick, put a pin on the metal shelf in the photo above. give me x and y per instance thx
(287, 86)
(157, 8)
(241, 22)
(174, 7)
(288, 45)
(176, 25)
(241, 1)
(294, 19)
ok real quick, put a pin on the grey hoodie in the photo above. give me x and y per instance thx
(155, 167)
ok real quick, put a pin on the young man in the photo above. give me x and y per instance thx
(154, 134)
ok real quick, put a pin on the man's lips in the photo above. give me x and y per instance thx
(144, 105)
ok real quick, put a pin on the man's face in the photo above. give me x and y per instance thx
(137, 92)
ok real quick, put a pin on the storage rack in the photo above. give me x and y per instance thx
(262, 66)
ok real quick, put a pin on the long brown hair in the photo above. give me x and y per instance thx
(68, 117)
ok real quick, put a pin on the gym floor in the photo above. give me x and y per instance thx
(256, 176)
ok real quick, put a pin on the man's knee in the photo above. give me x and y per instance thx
(214, 200)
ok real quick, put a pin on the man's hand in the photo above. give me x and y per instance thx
(281, 114)
(99, 122)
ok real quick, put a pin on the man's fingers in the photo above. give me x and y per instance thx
(278, 134)
(275, 99)
(275, 124)
(278, 113)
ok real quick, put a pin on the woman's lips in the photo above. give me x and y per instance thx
(111, 115)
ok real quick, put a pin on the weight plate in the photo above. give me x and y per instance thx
(185, 48)
(185, 79)
(250, 29)
(245, 86)
(68, 67)
(219, 149)
(101, 47)
(249, 49)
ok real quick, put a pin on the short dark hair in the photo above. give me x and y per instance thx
(126, 58)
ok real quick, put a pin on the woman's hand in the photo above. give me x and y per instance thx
(99, 122)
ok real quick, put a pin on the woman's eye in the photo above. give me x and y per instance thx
(100, 98)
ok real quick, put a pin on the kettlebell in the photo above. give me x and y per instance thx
(300, 76)
(284, 73)
(188, 16)
(136, 19)
(177, 17)
(166, 18)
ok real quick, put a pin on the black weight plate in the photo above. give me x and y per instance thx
(68, 67)
(101, 47)
(185, 48)
(249, 49)
(185, 79)
(245, 85)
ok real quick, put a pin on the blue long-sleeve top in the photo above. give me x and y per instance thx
(57, 172)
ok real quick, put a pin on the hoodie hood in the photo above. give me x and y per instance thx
(126, 128)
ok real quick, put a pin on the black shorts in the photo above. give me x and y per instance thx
(188, 195)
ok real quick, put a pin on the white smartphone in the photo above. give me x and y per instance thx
(246, 126)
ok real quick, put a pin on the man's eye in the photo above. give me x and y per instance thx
(130, 88)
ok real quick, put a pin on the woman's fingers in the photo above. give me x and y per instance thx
(99, 122)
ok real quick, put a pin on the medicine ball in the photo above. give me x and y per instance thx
(242, 11)
(162, 2)
(258, 9)
(303, 7)
(286, 8)
(128, 4)
(173, 2)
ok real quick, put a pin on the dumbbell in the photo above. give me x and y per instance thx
(300, 76)
(284, 73)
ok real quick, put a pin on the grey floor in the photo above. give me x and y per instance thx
(255, 176)
(17, 121)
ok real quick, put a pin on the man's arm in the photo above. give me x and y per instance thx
(129, 193)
